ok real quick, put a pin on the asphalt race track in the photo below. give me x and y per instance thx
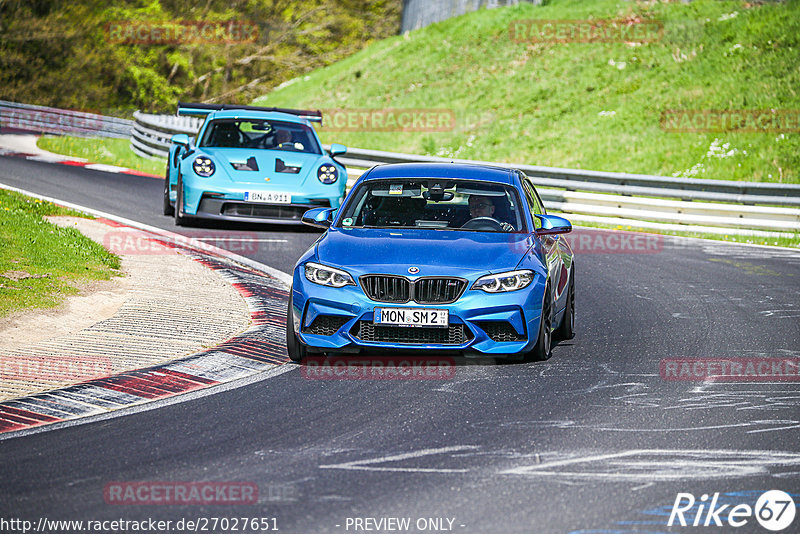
(593, 440)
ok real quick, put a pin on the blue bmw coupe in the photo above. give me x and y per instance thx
(251, 164)
(435, 257)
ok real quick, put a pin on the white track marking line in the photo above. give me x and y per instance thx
(105, 168)
(244, 239)
(366, 465)
(685, 463)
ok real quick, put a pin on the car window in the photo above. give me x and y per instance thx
(260, 134)
(540, 210)
(534, 202)
(440, 204)
(206, 121)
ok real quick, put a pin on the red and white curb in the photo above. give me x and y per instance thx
(76, 163)
(257, 350)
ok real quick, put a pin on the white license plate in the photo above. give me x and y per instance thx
(268, 197)
(411, 317)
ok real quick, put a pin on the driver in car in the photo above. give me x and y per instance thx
(282, 137)
(226, 134)
(480, 206)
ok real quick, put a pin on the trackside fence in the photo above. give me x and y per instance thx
(151, 134)
(16, 117)
(713, 204)
(716, 205)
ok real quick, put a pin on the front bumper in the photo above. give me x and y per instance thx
(227, 204)
(341, 320)
(234, 210)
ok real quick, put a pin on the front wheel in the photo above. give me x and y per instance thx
(296, 350)
(543, 349)
(180, 220)
(168, 209)
(567, 328)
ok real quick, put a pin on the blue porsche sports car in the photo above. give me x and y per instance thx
(251, 164)
(435, 257)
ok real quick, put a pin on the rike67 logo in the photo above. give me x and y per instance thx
(774, 510)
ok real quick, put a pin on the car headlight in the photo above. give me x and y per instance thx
(328, 174)
(327, 276)
(203, 166)
(510, 281)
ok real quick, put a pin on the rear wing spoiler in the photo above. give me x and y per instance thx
(201, 110)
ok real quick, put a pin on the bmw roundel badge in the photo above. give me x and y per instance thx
(413, 270)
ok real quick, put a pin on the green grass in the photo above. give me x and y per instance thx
(541, 103)
(102, 150)
(59, 260)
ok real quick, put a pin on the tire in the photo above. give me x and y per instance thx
(296, 350)
(179, 219)
(168, 209)
(567, 328)
(544, 343)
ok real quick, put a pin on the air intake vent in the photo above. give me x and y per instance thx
(455, 334)
(500, 331)
(325, 325)
(263, 210)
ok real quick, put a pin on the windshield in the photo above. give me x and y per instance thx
(256, 133)
(443, 204)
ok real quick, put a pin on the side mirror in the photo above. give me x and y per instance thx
(337, 149)
(319, 217)
(182, 140)
(551, 224)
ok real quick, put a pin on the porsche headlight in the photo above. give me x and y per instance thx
(510, 281)
(203, 166)
(327, 276)
(328, 174)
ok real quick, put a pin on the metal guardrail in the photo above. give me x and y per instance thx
(718, 203)
(41, 119)
(611, 182)
(154, 131)
(715, 203)
(773, 219)
(151, 134)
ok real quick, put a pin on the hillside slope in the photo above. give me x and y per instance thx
(582, 105)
